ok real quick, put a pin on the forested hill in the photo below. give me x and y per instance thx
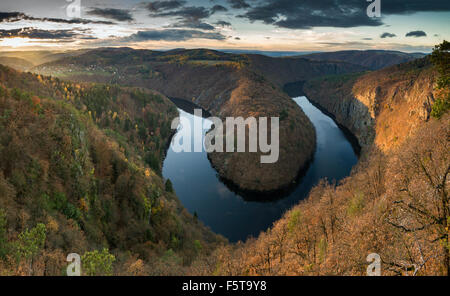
(371, 59)
(80, 172)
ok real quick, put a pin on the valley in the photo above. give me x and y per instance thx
(318, 211)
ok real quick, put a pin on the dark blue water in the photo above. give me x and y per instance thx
(200, 190)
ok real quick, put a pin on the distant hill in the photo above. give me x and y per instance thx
(28, 59)
(16, 63)
(372, 59)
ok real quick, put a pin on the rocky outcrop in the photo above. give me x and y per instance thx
(382, 107)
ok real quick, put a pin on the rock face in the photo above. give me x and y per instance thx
(382, 107)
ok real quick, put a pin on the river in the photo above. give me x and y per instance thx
(201, 191)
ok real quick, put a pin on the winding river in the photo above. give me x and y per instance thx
(225, 212)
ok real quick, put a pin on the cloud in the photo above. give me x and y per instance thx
(112, 13)
(238, 4)
(387, 35)
(306, 14)
(18, 16)
(158, 6)
(188, 13)
(217, 8)
(172, 35)
(223, 24)
(194, 24)
(34, 33)
(416, 34)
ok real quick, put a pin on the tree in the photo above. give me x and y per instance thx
(97, 263)
(441, 60)
(169, 186)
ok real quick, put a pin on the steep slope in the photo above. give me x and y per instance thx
(395, 206)
(383, 107)
(371, 59)
(80, 163)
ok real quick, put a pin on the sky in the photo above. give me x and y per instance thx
(265, 25)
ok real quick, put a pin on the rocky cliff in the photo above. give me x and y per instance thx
(382, 107)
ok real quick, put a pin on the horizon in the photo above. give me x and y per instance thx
(239, 25)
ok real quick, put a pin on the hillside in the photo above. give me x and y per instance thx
(16, 63)
(371, 59)
(80, 172)
(36, 57)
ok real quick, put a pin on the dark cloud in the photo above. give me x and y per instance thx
(416, 34)
(367, 38)
(303, 14)
(18, 16)
(238, 4)
(187, 13)
(223, 24)
(112, 13)
(237, 38)
(38, 33)
(387, 35)
(193, 24)
(172, 35)
(158, 6)
(217, 8)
